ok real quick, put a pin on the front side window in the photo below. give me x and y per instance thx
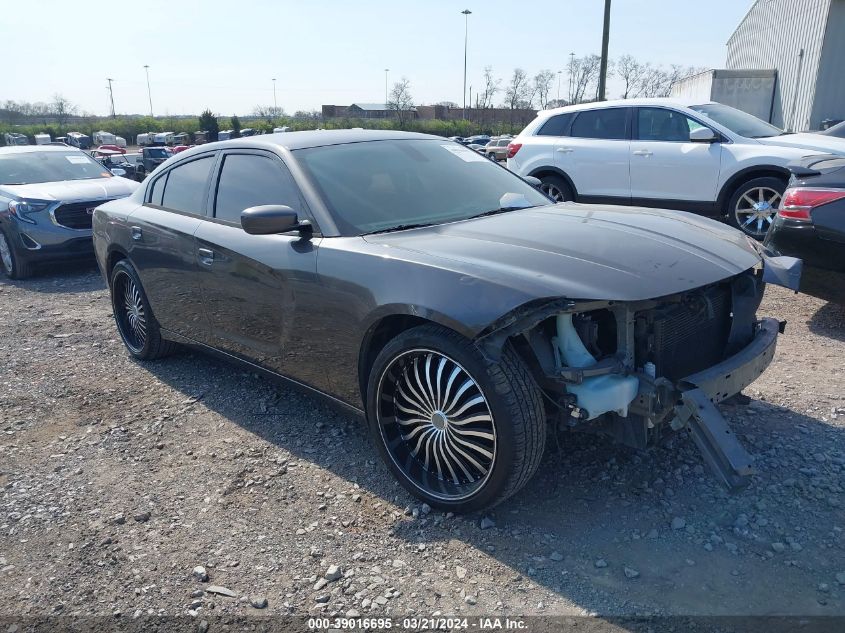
(248, 181)
(607, 123)
(186, 185)
(384, 185)
(661, 124)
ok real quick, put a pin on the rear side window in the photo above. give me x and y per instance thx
(608, 123)
(186, 185)
(248, 181)
(556, 126)
(157, 190)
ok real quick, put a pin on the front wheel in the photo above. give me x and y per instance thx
(459, 432)
(754, 205)
(11, 262)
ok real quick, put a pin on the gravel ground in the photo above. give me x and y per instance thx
(189, 486)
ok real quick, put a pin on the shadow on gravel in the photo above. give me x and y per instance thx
(829, 320)
(61, 278)
(615, 531)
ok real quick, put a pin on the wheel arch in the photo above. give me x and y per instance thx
(539, 172)
(115, 254)
(744, 175)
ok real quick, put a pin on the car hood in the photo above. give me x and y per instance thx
(580, 251)
(75, 190)
(808, 140)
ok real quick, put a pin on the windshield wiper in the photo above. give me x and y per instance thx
(500, 210)
(401, 227)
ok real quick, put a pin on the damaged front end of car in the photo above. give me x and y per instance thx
(642, 370)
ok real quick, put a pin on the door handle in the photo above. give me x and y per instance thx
(642, 152)
(206, 256)
(136, 233)
(565, 150)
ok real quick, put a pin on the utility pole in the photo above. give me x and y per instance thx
(386, 70)
(111, 96)
(558, 87)
(572, 95)
(149, 94)
(275, 103)
(605, 37)
(466, 13)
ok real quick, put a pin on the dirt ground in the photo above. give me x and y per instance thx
(118, 479)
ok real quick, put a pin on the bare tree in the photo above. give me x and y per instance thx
(631, 72)
(62, 110)
(518, 90)
(270, 113)
(543, 81)
(491, 87)
(401, 101)
(583, 74)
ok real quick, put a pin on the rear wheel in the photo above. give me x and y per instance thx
(457, 431)
(556, 188)
(135, 320)
(10, 261)
(754, 205)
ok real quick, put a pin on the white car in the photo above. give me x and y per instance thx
(707, 158)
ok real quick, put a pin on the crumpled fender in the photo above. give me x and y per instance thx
(782, 270)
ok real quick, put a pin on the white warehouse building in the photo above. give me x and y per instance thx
(804, 42)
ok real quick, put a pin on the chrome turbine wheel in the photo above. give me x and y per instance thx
(130, 313)
(756, 209)
(436, 424)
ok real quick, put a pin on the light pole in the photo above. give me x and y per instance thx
(572, 95)
(386, 70)
(149, 94)
(466, 13)
(558, 86)
(111, 95)
(275, 103)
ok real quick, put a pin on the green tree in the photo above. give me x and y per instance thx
(236, 126)
(208, 123)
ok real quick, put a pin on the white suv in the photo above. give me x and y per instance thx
(703, 157)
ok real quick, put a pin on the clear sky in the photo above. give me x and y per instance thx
(224, 54)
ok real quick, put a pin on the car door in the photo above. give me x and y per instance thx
(162, 245)
(596, 153)
(251, 283)
(665, 165)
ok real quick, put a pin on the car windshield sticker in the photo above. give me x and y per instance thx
(77, 160)
(464, 153)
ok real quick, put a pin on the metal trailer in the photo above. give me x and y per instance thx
(751, 91)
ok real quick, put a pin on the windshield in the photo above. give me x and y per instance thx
(383, 185)
(32, 167)
(157, 152)
(737, 121)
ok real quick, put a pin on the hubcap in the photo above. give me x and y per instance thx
(5, 254)
(756, 210)
(436, 424)
(130, 313)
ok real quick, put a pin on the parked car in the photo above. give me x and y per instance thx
(248, 131)
(200, 137)
(451, 300)
(79, 140)
(178, 148)
(136, 159)
(116, 162)
(15, 138)
(497, 149)
(811, 225)
(47, 197)
(478, 139)
(278, 130)
(107, 138)
(702, 157)
(225, 135)
(477, 147)
(110, 148)
(151, 158)
(837, 130)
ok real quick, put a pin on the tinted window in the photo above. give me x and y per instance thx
(185, 188)
(609, 123)
(660, 124)
(380, 185)
(248, 181)
(556, 126)
(157, 190)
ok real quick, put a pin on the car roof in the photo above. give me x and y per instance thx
(312, 138)
(23, 149)
(615, 103)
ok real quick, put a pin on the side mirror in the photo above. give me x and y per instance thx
(703, 135)
(534, 182)
(270, 219)
(117, 171)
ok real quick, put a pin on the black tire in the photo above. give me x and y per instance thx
(556, 188)
(755, 222)
(11, 262)
(492, 157)
(514, 437)
(131, 310)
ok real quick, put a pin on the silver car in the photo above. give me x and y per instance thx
(47, 197)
